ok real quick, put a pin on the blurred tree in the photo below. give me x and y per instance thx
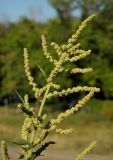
(25, 33)
(64, 9)
(88, 7)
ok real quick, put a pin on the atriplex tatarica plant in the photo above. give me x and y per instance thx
(36, 127)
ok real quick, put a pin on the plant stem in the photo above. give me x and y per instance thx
(43, 101)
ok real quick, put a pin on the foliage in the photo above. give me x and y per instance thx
(64, 11)
(36, 127)
(26, 33)
(16, 37)
(65, 8)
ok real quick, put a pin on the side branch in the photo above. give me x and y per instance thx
(45, 50)
(77, 70)
(82, 55)
(72, 90)
(57, 48)
(27, 71)
(71, 111)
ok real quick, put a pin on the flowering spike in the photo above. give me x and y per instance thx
(27, 71)
(45, 49)
(86, 151)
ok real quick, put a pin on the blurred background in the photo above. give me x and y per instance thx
(21, 25)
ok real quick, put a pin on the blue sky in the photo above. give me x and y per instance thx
(13, 9)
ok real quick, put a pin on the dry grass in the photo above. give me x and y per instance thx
(87, 128)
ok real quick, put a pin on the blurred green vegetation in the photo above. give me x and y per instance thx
(95, 120)
(92, 123)
(98, 37)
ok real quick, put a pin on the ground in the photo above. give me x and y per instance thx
(58, 154)
(88, 125)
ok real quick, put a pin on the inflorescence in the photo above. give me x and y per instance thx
(36, 127)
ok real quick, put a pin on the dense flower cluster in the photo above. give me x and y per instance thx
(36, 127)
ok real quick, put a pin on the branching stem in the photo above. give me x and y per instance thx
(43, 101)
